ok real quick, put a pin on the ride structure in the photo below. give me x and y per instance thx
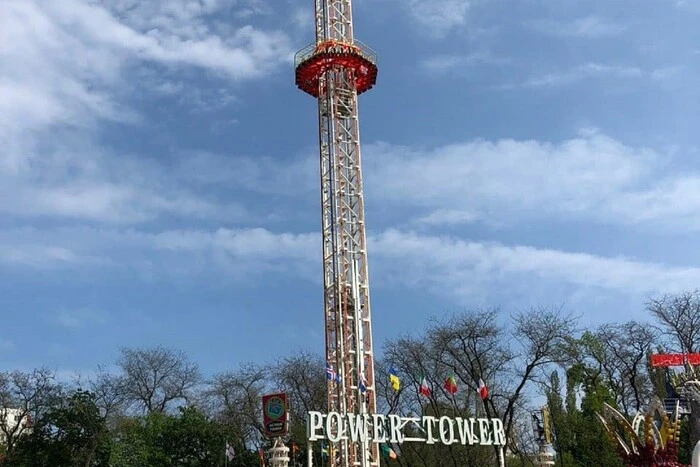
(334, 70)
(650, 440)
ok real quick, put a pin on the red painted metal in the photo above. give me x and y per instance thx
(335, 55)
(675, 359)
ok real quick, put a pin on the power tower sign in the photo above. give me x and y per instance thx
(379, 428)
(274, 407)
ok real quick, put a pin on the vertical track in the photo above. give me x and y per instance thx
(345, 272)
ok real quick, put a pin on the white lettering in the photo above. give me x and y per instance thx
(336, 427)
(378, 421)
(357, 427)
(484, 432)
(465, 434)
(447, 427)
(475, 438)
(499, 434)
(428, 422)
(313, 424)
(334, 420)
(395, 435)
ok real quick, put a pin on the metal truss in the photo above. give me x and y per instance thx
(345, 271)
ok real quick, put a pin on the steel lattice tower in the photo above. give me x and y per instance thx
(335, 69)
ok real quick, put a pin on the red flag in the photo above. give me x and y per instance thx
(483, 390)
(451, 384)
(423, 389)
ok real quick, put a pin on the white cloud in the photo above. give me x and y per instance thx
(447, 265)
(77, 318)
(586, 27)
(589, 177)
(439, 16)
(73, 178)
(255, 244)
(68, 66)
(445, 63)
(240, 253)
(585, 71)
(66, 57)
(36, 256)
(303, 19)
(456, 267)
(444, 217)
(592, 70)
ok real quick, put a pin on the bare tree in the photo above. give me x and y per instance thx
(619, 352)
(234, 398)
(678, 317)
(24, 397)
(156, 377)
(474, 345)
(111, 394)
(303, 377)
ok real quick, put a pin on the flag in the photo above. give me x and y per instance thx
(423, 389)
(326, 450)
(388, 452)
(331, 375)
(394, 379)
(230, 453)
(483, 390)
(363, 383)
(451, 384)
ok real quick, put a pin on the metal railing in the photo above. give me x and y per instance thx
(308, 51)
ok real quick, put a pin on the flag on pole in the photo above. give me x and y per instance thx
(394, 379)
(363, 383)
(331, 375)
(423, 389)
(451, 384)
(483, 390)
(230, 453)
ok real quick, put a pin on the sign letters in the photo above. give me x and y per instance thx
(381, 428)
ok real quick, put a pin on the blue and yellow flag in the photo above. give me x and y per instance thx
(394, 379)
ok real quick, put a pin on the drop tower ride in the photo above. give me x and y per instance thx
(335, 69)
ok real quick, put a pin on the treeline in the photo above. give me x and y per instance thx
(158, 409)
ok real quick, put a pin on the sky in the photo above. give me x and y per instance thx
(159, 170)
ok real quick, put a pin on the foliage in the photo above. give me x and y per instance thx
(72, 434)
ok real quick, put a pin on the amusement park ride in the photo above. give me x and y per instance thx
(334, 70)
(651, 438)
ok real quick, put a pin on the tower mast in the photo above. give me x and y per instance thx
(335, 69)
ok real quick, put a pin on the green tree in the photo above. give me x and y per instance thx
(70, 435)
(188, 439)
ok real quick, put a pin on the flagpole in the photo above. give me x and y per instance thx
(226, 454)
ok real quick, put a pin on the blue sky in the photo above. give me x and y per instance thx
(159, 180)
